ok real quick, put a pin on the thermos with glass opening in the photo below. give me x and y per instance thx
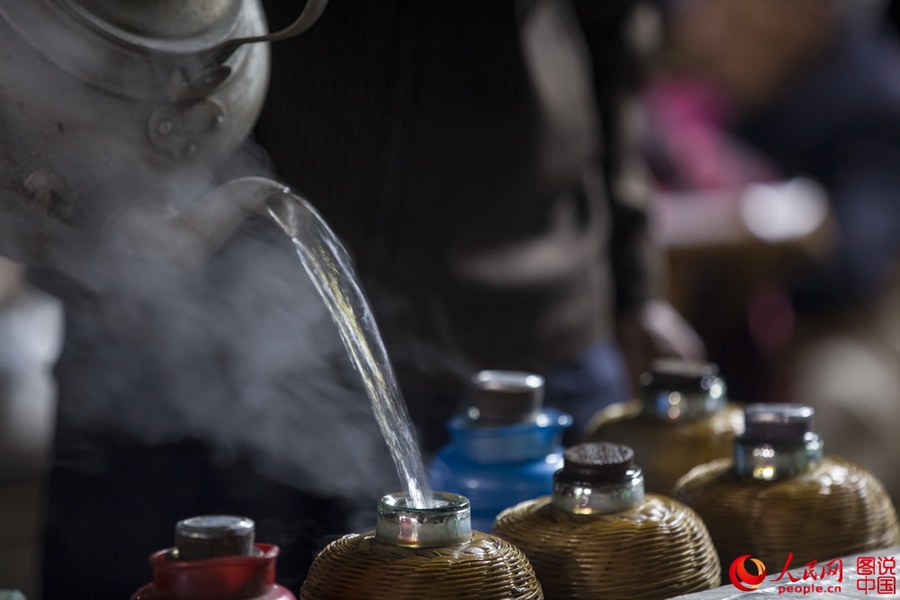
(504, 449)
(417, 552)
(600, 536)
(682, 418)
(780, 495)
(214, 558)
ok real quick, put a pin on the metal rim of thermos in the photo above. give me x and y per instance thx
(599, 499)
(446, 521)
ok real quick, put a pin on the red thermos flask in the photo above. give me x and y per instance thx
(215, 558)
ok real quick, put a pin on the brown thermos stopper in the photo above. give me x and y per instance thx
(596, 463)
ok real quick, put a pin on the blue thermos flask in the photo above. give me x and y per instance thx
(504, 449)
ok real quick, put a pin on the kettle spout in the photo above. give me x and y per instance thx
(190, 237)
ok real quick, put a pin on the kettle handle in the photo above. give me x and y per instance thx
(311, 13)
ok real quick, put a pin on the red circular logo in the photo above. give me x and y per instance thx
(741, 578)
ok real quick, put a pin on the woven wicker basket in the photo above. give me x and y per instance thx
(657, 549)
(361, 567)
(837, 509)
(668, 449)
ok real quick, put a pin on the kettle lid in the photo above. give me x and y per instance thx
(131, 48)
(166, 19)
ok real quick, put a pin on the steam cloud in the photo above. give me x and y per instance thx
(239, 352)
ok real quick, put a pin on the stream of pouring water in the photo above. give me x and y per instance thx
(326, 261)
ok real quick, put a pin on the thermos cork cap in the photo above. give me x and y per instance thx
(777, 422)
(507, 397)
(210, 536)
(597, 462)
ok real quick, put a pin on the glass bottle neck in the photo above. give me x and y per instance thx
(774, 460)
(585, 498)
(682, 391)
(446, 521)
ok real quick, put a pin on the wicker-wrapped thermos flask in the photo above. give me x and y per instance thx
(417, 553)
(682, 418)
(599, 536)
(504, 449)
(781, 497)
(214, 558)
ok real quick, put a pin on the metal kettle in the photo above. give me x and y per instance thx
(110, 104)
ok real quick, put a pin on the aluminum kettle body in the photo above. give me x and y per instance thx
(106, 104)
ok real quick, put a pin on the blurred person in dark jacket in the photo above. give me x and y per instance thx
(480, 161)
